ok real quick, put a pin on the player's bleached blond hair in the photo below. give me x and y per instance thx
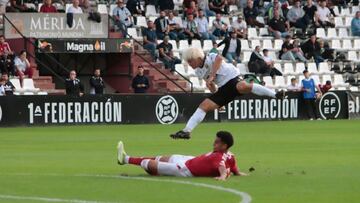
(192, 53)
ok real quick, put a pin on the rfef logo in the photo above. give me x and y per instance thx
(167, 110)
(330, 106)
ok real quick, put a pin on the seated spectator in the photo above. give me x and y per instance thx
(274, 6)
(6, 57)
(286, 50)
(219, 27)
(294, 86)
(355, 25)
(311, 49)
(87, 6)
(278, 26)
(297, 17)
(162, 27)
(192, 9)
(322, 15)
(16, 7)
(203, 26)
(310, 10)
(122, 17)
(166, 55)
(134, 7)
(297, 51)
(7, 87)
(325, 51)
(326, 87)
(250, 13)
(166, 5)
(75, 8)
(204, 5)
(150, 39)
(47, 7)
(214, 48)
(22, 66)
(240, 27)
(73, 85)
(97, 83)
(272, 71)
(257, 63)
(232, 48)
(219, 6)
(190, 28)
(140, 82)
(174, 27)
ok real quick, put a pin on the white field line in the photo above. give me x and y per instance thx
(46, 199)
(246, 198)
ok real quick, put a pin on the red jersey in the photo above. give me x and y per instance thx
(208, 164)
(4, 47)
(48, 9)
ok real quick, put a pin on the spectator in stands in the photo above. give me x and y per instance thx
(22, 66)
(134, 7)
(16, 7)
(294, 86)
(190, 28)
(323, 13)
(325, 51)
(214, 48)
(309, 87)
(326, 87)
(220, 27)
(192, 9)
(174, 27)
(272, 71)
(75, 8)
(87, 6)
(140, 82)
(278, 26)
(257, 63)
(122, 17)
(150, 39)
(310, 10)
(355, 25)
(47, 7)
(7, 86)
(73, 85)
(166, 55)
(186, 3)
(6, 57)
(240, 27)
(232, 48)
(96, 83)
(162, 27)
(311, 49)
(286, 50)
(250, 13)
(203, 26)
(297, 51)
(275, 6)
(219, 6)
(297, 17)
(204, 5)
(166, 5)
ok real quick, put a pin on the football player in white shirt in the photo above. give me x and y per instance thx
(223, 80)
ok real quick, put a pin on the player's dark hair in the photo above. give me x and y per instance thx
(305, 71)
(226, 138)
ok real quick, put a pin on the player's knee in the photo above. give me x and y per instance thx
(152, 167)
(243, 87)
(207, 105)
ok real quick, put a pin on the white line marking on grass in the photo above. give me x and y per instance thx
(46, 199)
(246, 198)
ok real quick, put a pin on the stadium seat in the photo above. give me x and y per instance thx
(196, 83)
(320, 33)
(278, 66)
(174, 45)
(208, 45)
(152, 18)
(260, 19)
(178, 20)
(343, 33)
(246, 56)
(16, 83)
(30, 5)
(278, 43)
(67, 6)
(354, 9)
(299, 68)
(357, 43)
(324, 68)
(112, 7)
(141, 21)
(267, 44)
(339, 81)
(347, 45)
(178, 2)
(102, 9)
(326, 78)
(316, 79)
(345, 12)
(348, 21)
(273, 55)
(222, 46)
(226, 20)
(264, 32)
(336, 10)
(39, 6)
(312, 68)
(288, 80)
(150, 11)
(181, 69)
(252, 33)
(211, 20)
(183, 45)
(242, 68)
(28, 85)
(133, 33)
(336, 44)
(280, 82)
(196, 44)
(233, 8)
(332, 34)
(352, 56)
(190, 71)
(245, 45)
(354, 89)
(338, 22)
(288, 69)
(254, 43)
(268, 81)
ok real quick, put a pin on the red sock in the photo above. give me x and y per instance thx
(138, 160)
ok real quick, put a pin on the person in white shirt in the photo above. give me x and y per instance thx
(294, 85)
(322, 15)
(22, 66)
(122, 17)
(203, 26)
(223, 80)
(270, 64)
(240, 27)
(75, 8)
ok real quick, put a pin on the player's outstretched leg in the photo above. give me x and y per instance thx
(123, 158)
(246, 88)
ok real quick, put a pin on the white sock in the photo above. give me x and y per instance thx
(127, 159)
(158, 158)
(144, 164)
(195, 120)
(263, 91)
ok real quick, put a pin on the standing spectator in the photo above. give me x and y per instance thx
(96, 83)
(203, 26)
(73, 86)
(355, 25)
(47, 7)
(309, 87)
(150, 39)
(323, 14)
(162, 27)
(22, 66)
(166, 55)
(310, 10)
(140, 82)
(134, 7)
(278, 26)
(219, 6)
(311, 49)
(294, 86)
(174, 27)
(204, 5)
(250, 13)
(7, 86)
(166, 5)
(240, 27)
(75, 8)
(122, 17)
(190, 28)
(220, 27)
(272, 71)
(296, 16)
(232, 48)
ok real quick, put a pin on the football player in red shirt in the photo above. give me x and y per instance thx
(219, 163)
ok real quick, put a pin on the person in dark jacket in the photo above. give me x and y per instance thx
(140, 82)
(96, 83)
(134, 7)
(5, 85)
(311, 49)
(73, 85)
(257, 63)
(250, 13)
(166, 5)
(232, 48)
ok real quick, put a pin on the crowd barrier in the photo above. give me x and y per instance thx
(164, 109)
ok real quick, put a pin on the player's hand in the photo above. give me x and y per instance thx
(210, 80)
(220, 178)
(243, 174)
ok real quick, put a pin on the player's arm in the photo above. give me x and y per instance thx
(215, 68)
(223, 173)
(212, 87)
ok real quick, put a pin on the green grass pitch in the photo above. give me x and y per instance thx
(295, 161)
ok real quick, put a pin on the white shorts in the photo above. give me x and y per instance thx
(175, 166)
